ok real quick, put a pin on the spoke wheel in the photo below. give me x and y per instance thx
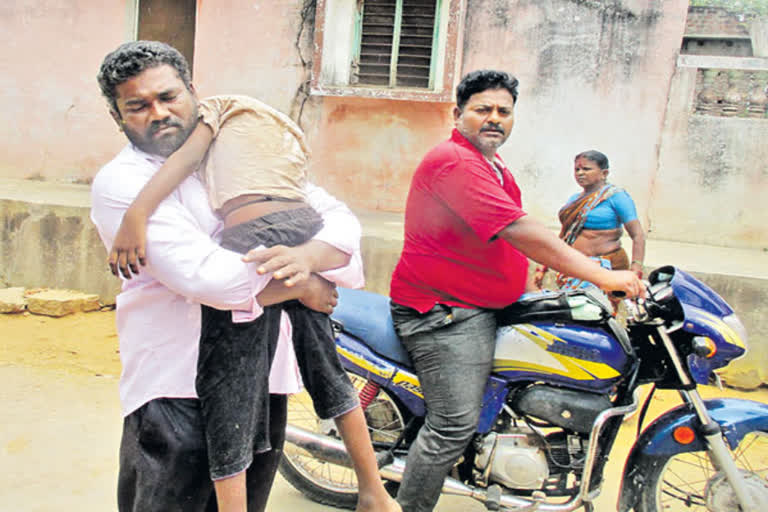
(688, 481)
(322, 481)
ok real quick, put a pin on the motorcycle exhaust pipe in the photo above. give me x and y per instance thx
(332, 450)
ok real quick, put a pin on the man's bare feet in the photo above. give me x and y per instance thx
(377, 504)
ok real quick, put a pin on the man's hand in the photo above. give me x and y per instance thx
(130, 246)
(624, 281)
(294, 265)
(320, 294)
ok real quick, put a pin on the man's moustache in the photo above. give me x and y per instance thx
(493, 129)
(153, 129)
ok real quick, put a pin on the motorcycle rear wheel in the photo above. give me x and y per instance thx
(688, 482)
(328, 483)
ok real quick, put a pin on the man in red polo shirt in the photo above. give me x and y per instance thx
(466, 249)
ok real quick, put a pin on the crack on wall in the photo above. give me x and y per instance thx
(305, 33)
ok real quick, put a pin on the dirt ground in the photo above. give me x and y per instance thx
(60, 420)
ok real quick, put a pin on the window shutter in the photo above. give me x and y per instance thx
(416, 40)
(396, 42)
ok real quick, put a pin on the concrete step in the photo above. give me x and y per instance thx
(49, 241)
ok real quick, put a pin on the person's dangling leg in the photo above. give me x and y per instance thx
(334, 396)
(261, 474)
(233, 386)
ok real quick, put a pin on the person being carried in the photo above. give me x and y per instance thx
(592, 221)
(253, 161)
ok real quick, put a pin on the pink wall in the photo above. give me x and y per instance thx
(247, 47)
(365, 150)
(56, 124)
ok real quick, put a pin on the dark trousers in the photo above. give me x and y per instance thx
(235, 358)
(452, 351)
(164, 459)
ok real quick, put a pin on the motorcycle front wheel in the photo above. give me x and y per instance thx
(688, 482)
(325, 482)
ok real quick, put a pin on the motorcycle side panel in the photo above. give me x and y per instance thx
(357, 358)
(736, 417)
(575, 356)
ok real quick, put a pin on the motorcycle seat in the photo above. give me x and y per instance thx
(366, 316)
(557, 306)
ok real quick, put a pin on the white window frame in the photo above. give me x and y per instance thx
(335, 47)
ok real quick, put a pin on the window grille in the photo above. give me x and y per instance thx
(396, 43)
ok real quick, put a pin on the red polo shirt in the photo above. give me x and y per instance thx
(456, 207)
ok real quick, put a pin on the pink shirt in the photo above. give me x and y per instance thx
(158, 311)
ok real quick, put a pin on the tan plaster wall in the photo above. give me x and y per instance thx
(55, 123)
(713, 171)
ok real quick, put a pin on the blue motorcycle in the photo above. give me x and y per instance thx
(565, 375)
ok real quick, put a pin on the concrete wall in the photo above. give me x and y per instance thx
(717, 167)
(49, 241)
(365, 151)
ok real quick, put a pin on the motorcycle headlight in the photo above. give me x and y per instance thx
(739, 337)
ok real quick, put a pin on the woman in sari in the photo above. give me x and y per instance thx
(594, 220)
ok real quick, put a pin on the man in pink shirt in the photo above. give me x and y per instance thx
(163, 461)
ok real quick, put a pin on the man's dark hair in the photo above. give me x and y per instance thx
(594, 156)
(482, 80)
(130, 59)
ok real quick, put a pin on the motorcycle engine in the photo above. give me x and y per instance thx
(515, 459)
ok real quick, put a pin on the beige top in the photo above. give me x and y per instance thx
(255, 150)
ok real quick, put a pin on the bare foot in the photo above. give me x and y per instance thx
(382, 504)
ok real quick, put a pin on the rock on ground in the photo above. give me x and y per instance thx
(12, 300)
(62, 302)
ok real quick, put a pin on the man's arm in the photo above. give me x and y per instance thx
(184, 257)
(540, 244)
(314, 292)
(130, 245)
(334, 252)
(635, 230)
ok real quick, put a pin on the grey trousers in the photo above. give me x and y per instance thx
(452, 351)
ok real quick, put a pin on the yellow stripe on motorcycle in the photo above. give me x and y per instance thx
(365, 364)
(408, 382)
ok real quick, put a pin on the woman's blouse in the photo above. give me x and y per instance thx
(611, 213)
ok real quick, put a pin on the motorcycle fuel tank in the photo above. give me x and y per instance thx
(576, 356)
